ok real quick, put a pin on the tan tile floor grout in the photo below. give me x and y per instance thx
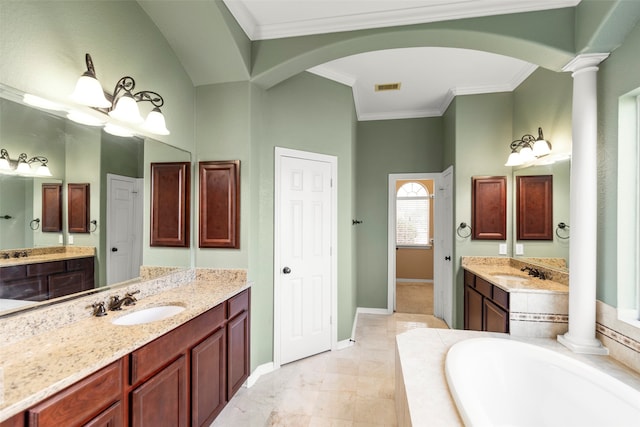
(349, 387)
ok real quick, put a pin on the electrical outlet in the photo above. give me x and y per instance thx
(60, 238)
(70, 239)
(519, 249)
(502, 249)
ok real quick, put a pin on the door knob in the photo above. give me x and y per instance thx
(286, 270)
(447, 258)
(114, 249)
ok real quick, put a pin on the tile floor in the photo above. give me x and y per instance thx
(349, 387)
(414, 297)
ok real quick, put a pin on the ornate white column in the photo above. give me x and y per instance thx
(581, 337)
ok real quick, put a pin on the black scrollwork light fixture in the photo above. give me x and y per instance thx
(34, 166)
(527, 149)
(123, 106)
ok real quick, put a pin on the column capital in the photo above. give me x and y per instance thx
(585, 61)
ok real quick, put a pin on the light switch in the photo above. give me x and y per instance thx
(519, 249)
(502, 249)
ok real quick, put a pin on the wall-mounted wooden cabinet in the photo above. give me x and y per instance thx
(51, 207)
(489, 207)
(534, 207)
(170, 200)
(219, 204)
(78, 208)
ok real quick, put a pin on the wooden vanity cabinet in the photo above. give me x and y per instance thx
(486, 306)
(238, 339)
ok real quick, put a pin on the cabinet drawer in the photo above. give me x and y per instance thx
(469, 279)
(45, 268)
(81, 402)
(238, 304)
(80, 264)
(483, 287)
(158, 353)
(501, 297)
(34, 289)
(13, 273)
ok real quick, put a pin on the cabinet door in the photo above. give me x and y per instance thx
(495, 318)
(170, 200)
(219, 204)
(162, 400)
(208, 394)
(66, 283)
(534, 207)
(51, 207)
(489, 207)
(238, 354)
(78, 208)
(472, 309)
(112, 417)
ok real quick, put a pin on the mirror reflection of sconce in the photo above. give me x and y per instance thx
(562, 231)
(34, 224)
(94, 225)
(24, 165)
(460, 230)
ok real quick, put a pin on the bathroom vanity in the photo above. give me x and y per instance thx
(178, 371)
(500, 297)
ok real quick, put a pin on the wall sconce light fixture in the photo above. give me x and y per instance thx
(124, 104)
(25, 166)
(527, 149)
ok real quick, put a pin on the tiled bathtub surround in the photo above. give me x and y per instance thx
(62, 344)
(537, 308)
(621, 338)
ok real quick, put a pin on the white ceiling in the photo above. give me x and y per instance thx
(429, 77)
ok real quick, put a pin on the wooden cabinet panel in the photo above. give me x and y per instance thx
(112, 417)
(78, 208)
(170, 201)
(534, 207)
(238, 356)
(208, 379)
(17, 420)
(219, 225)
(162, 400)
(472, 309)
(469, 279)
(31, 289)
(66, 283)
(43, 268)
(501, 297)
(489, 207)
(495, 318)
(483, 287)
(51, 207)
(81, 402)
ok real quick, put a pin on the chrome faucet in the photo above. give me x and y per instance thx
(115, 303)
(98, 309)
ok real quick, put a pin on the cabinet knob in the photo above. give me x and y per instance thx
(286, 270)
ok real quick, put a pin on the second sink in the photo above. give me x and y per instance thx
(148, 315)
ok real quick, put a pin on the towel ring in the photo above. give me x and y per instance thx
(565, 228)
(34, 224)
(462, 226)
(94, 226)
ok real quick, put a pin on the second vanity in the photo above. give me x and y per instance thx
(500, 297)
(177, 371)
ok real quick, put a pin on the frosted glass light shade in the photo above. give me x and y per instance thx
(526, 154)
(126, 110)
(43, 170)
(116, 130)
(4, 164)
(514, 159)
(23, 168)
(84, 119)
(89, 92)
(541, 148)
(155, 123)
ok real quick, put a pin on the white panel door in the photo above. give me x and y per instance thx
(305, 258)
(445, 241)
(123, 229)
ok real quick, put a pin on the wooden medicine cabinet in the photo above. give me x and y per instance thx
(170, 200)
(78, 208)
(219, 204)
(489, 207)
(51, 207)
(534, 207)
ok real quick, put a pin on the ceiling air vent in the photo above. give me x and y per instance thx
(387, 86)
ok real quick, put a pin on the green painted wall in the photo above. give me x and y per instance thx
(385, 147)
(618, 75)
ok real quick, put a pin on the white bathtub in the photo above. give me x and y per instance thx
(499, 382)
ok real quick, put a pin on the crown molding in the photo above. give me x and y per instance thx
(328, 73)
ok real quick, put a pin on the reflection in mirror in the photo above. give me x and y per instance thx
(75, 154)
(547, 253)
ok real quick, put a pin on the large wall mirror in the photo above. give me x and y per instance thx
(80, 154)
(551, 253)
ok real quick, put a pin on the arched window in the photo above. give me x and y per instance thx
(412, 215)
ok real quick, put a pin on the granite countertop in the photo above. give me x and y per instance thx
(40, 366)
(491, 272)
(46, 254)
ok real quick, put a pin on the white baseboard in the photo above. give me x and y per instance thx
(341, 345)
(364, 310)
(258, 372)
(414, 280)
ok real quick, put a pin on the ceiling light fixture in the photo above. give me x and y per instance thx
(530, 148)
(124, 107)
(35, 166)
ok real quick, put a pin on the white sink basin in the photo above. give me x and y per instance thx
(148, 315)
(511, 277)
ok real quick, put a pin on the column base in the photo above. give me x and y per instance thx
(593, 346)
